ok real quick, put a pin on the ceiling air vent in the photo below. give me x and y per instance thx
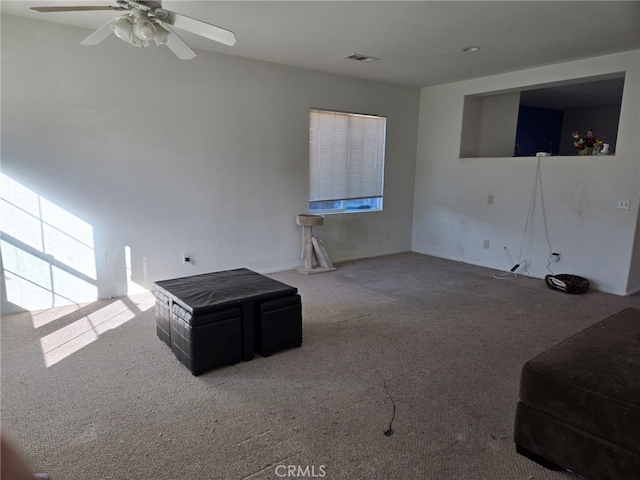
(361, 58)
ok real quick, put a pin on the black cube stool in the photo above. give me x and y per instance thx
(279, 325)
(206, 341)
(163, 317)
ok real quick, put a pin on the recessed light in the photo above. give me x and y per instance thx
(471, 49)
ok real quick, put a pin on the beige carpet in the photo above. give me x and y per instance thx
(409, 369)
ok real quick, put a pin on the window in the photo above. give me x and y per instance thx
(346, 162)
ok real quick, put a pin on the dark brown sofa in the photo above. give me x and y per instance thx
(579, 405)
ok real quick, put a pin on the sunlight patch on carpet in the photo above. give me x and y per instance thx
(69, 339)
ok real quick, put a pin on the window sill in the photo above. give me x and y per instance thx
(338, 212)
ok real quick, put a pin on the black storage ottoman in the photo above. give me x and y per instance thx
(206, 341)
(221, 318)
(163, 317)
(279, 325)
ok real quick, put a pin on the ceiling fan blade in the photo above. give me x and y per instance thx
(99, 35)
(77, 8)
(178, 46)
(218, 34)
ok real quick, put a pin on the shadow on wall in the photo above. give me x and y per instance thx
(48, 260)
(48, 254)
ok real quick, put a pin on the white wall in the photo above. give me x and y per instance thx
(489, 125)
(452, 217)
(207, 156)
(498, 125)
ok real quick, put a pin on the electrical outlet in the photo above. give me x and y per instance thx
(624, 204)
(486, 244)
(555, 257)
(186, 258)
(490, 200)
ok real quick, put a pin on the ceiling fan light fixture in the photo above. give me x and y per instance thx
(146, 22)
(162, 35)
(123, 28)
(144, 29)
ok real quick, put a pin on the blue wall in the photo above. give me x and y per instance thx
(538, 130)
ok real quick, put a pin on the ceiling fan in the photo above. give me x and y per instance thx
(147, 21)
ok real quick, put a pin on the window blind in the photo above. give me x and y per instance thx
(346, 156)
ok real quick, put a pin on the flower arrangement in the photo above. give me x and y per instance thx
(587, 144)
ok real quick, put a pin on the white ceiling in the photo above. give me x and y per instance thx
(419, 43)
